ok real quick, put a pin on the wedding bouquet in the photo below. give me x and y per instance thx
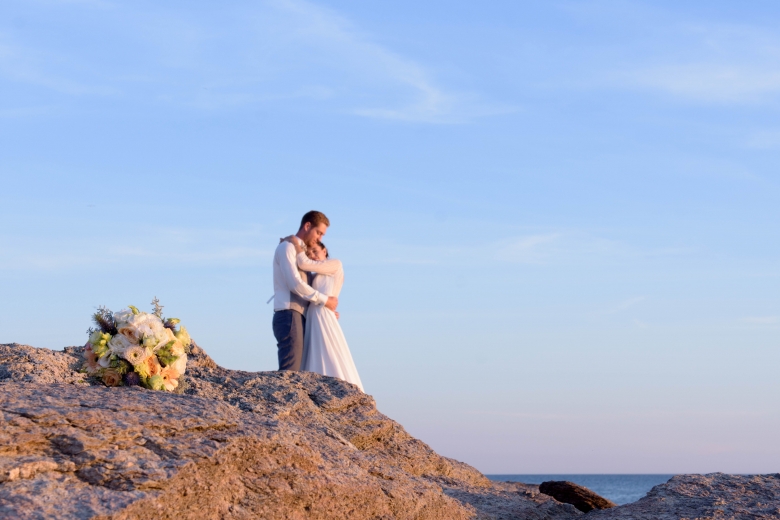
(131, 347)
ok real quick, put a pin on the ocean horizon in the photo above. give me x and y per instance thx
(619, 488)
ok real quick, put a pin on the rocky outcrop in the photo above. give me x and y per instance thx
(570, 493)
(236, 445)
(717, 496)
(287, 445)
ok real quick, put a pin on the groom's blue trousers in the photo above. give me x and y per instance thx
(288, 328)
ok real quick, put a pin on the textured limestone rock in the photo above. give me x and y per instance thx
(570, 493)
(288, 445)
(40, 365)
(716, 496)
(236, 445)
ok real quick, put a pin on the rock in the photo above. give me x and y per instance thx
(236, 445)
(570, 493)
(198, 358)
(716, 495)
(241, 445)
(40, 365)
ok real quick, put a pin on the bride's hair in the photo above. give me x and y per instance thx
(327, 255)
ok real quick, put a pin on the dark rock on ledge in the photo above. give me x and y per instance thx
(570, 493)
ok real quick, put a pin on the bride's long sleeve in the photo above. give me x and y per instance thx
(327, 267)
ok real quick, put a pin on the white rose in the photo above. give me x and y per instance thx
(181, 364)
(138, 325)
(105, 361)
(152, 329)
(165, 337)
(124, 315)
(157, 326)
(119, 343)
(177, 349)
(145, 331)
(148, 318)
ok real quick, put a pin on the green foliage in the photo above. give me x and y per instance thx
(100, 349)
(183, 336)
(171, 323)
(156, 383)
(121, 366)
(165, 355)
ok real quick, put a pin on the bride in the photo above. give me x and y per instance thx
(325, 348)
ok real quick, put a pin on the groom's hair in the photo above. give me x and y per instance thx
(315, 218)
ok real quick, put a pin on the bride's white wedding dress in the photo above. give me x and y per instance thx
(325, 349)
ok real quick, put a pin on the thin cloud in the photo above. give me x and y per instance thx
(719, 83)
(717, 63)
(532, 249)
(163, 247)
(553, 248)
(428, 101)
(762, 320)
(274, 52)
(764, 140)
(22, 64)
(626, 304)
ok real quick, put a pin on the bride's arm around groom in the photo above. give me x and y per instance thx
(285, 259)
(328, 267)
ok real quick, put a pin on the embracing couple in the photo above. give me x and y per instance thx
(307, 283)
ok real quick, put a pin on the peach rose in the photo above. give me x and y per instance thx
(130, 332)
(112, 378)
(153, 365)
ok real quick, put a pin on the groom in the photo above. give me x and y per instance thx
(293, 294)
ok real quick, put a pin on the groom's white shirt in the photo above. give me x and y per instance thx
(287, 280)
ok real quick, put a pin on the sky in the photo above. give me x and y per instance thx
(556, 218)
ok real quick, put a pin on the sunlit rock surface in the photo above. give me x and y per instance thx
(235, 445)
(266, 445)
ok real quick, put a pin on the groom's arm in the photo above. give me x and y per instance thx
(327, 267)
(293, 279)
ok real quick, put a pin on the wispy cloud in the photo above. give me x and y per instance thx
(249, 56)
(625, 304)
(762, 320)
(710, 82)
(532, 249)
(678, 52)
(564, 247)
(22, 64)
(764, 140)
(162, 247)
(712, 63)
(429, 101)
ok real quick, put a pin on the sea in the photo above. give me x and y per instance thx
(621, 489)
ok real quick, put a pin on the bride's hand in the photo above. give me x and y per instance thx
(296, 243)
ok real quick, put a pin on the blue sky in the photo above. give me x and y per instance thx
(558, 219)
